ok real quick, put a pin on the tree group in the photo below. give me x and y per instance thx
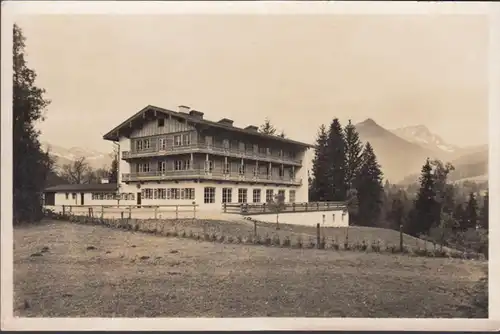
(345, 170)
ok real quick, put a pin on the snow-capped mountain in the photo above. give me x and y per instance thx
(65, 155)
(421, 135)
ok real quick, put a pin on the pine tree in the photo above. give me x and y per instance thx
(485, 212)
(336, 174)
(282, 134)
(353, 151)
(267, 128)
(369, 189)
(460, 217)
(471, 212)
(113, 171)
(31, 165)
(319, 181)
(426, 208)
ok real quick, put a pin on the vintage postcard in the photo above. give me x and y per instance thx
(250, 165)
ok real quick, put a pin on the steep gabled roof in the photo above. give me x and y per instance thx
(109, 187)
(114, 133)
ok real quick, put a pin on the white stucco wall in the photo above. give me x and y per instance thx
(331, 218)
(123, 166)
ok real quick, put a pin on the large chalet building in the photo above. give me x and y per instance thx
(179, 157)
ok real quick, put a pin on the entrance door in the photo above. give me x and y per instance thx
(82, 196)
(139, 199)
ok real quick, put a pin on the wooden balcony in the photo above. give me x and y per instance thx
(194, 174)
(211, 149)
(266, 208)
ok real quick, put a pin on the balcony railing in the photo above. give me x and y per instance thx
(213, 149)
(213, 175)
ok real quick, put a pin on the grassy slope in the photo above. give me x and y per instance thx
(183, 277)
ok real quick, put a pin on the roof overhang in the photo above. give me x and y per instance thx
(153, 111)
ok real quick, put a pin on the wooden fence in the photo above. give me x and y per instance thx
(128, 211)
(262, 208)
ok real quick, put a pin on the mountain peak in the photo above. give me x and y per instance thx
(420, 134)
(368, 121)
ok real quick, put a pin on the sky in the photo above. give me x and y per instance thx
(300, 71)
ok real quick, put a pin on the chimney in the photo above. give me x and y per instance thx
(184, 109)
(196, 114)
(252, 128)
(226, 121)
(104, 180)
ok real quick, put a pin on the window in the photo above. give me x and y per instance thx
(162, 166)
(67, 195)
(186, 139)
(290, 172)
(138, 145)
(225, 168)
(175, 193)
(242, 169)
(256, 195)
(225, 144)
(255, 148)
(262, 150)
(147, 193)
(281, 194)
(241, 146)
(189, 193)
(155, 193)
(161, 122)
(242, 195)
(161, 193)
(187, 164)
(162, 143)
(255, 171)
(146, 144)
(269, 195)
(208, 140)
(177, 140)
(182, 164)
(143, 168)
(73, 195)
(227, 195)
(291, 196)
(209, 195)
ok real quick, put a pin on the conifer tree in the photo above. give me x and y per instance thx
(319, 181)
(471, 212)
(353, 151)
(336, 174)
(113, 171)
(31, 165)
(426, 209)
(369, 189)
(485, 212)
(267, 128)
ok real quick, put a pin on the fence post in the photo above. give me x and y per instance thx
(317, 206)
(401, 238)
(176, 212)
(64, 210)
(306, 206)
(255, 229)
(156, 212)
(102, 212)
(130, 212)
(90, 210)
(293, 206)
(194, 211)
(121, 214)
(318, 236)
(224, 207)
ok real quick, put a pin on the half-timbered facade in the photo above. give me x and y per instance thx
(169, 157)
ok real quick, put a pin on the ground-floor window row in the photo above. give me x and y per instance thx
(227, 195)
(113, 196)
(168, 193)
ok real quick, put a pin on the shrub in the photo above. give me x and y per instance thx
(213, 237)
(364, 246)
(136, 228)
(287, 242)
(322, 244)
(184, 234)
(239, 239)
(175, 234)
(221, 238)
(300, 243)
(376, 246)
(276, 241)
(191, 235)
(311, 244)
(267, 240)
(206, 236)
(230, 239)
